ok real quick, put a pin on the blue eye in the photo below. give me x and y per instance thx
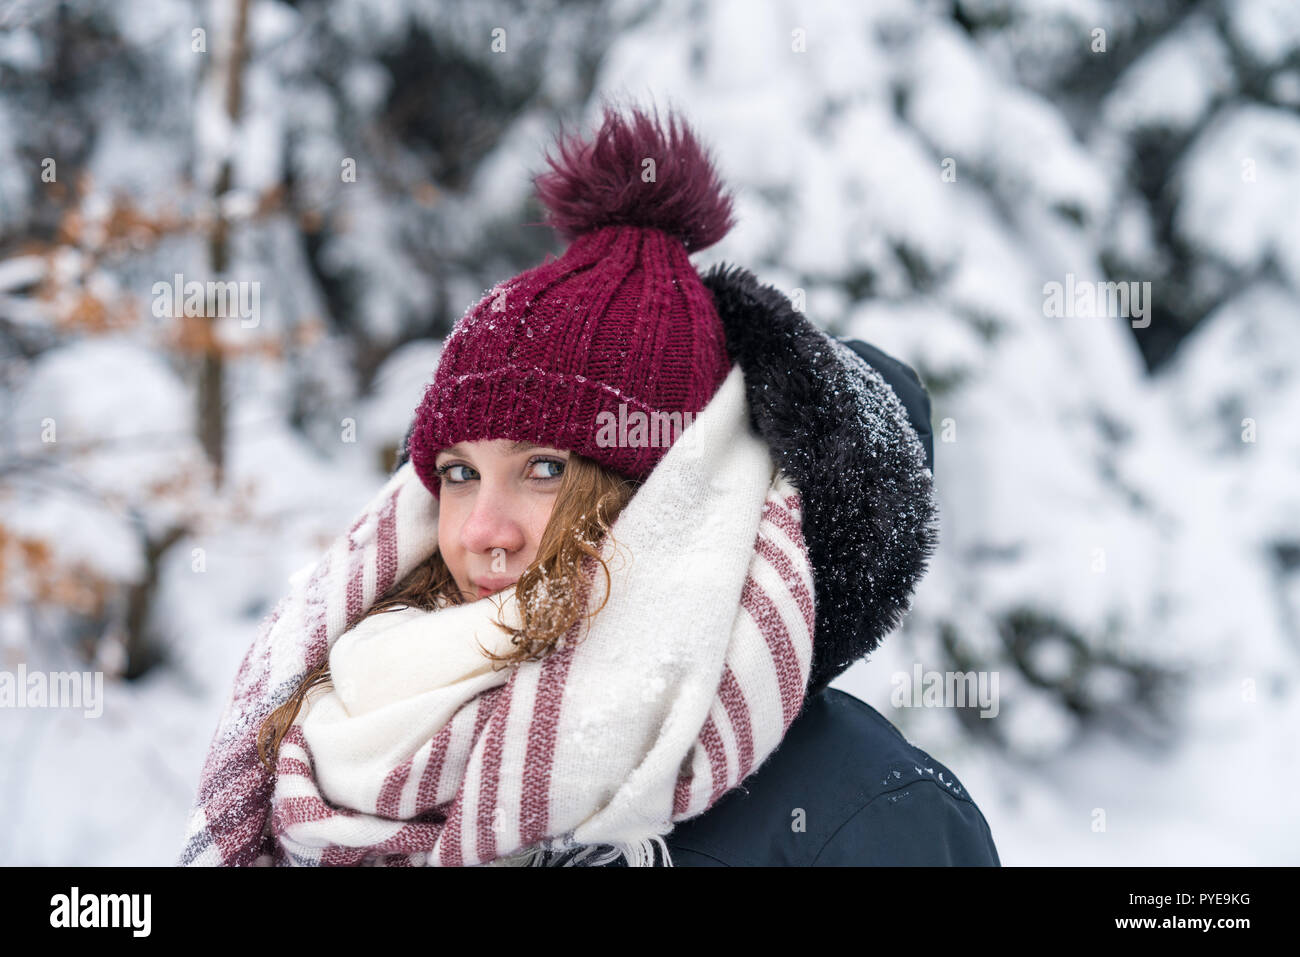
(444, 469)
(558, 463)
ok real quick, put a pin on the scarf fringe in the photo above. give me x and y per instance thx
(648, 852)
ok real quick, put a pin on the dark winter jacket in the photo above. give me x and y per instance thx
(850, 426)
(843, 788)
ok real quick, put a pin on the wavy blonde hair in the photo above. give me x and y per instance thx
(551, 591)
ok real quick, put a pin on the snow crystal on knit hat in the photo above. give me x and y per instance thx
(620, 324)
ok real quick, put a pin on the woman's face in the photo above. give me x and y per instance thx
(495, 501)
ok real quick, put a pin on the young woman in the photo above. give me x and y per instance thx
(641, 520)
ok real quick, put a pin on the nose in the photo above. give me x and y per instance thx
(492, 522)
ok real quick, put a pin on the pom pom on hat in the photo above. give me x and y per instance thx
(634, 173)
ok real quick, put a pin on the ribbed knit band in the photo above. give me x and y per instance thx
(553, 409)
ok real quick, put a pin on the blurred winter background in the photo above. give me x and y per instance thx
(1121, 504)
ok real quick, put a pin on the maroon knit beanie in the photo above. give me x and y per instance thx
(621, 318)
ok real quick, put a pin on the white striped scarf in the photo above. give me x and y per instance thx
(685, 682)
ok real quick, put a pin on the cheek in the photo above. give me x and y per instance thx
(449, 540)
(537, 521)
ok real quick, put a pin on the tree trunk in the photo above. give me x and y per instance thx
(211, 408)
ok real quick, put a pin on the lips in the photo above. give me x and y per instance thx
(490, 586)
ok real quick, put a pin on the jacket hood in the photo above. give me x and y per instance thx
(856, 449)
(850, 427)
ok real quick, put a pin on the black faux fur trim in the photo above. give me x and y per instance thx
(841, 435)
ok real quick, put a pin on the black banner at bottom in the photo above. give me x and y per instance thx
(211, 906)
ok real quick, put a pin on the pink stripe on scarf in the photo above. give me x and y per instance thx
(427, 792)
(338, 856)
(356, 593)
(786, 516)
(790, 576)
(386, 546)
(733, 699)
(768, 619)
(711, 738)
(389, 802)
(489, 773)
(318, 646)
(450, 841)
(535, 805)
(297, 810)
(293, 766)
